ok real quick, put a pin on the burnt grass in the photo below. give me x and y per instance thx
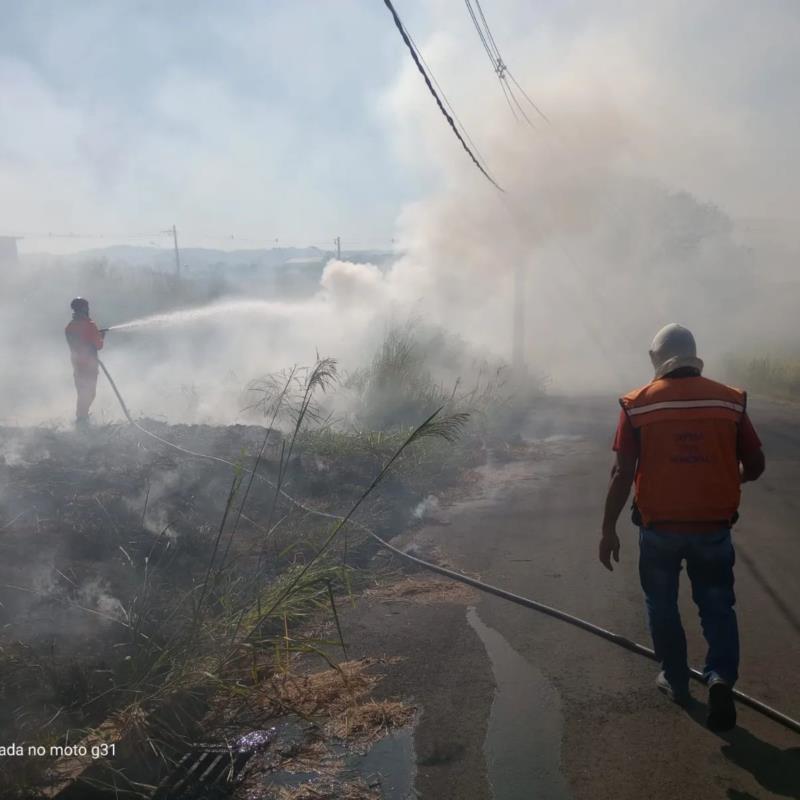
(91, 522)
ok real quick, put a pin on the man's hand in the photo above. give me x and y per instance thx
(609, 544)
(622, 476)
(752, 465)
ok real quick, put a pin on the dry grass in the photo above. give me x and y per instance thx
(341, 697)
(424, 590)
(371, 720)
(329, 790)
(320, 693)
(312, 757)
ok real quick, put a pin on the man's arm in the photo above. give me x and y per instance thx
(752, 464)
(97, 337)
(622, 474)
(751, 456)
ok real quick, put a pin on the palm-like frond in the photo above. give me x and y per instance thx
(448, 428)
(323, 374)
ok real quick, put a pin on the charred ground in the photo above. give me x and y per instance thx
(126, 562)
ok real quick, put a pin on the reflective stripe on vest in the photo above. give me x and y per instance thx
(688, 468)
(664, 404)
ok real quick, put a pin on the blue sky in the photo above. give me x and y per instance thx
(303, 119)
(253, 118)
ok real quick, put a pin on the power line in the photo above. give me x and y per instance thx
(488, 29)
(499, 65)
(505, 92)
(117, 236)
(444, 97)
(399, 25)
(482, 36)
(266, 240)
(525, 95)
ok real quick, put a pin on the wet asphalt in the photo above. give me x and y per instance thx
(517, 706)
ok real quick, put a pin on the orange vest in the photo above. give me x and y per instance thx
(688, 468)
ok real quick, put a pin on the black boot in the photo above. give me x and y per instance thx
(721, 708)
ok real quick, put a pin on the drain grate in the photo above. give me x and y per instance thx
(209, 771)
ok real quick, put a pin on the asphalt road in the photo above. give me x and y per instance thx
(574, 716)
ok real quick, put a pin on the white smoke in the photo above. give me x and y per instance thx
(95, 595)
(428, 508)
(668, 124)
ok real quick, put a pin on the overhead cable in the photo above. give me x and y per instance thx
(444, 97)
(499, 65)
(415, 56)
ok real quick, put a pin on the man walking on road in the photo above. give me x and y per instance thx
(84, 340)
(687, 444)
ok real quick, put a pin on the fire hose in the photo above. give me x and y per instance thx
(615, 638)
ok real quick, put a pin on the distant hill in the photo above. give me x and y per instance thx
(204, 261)
(198, 258)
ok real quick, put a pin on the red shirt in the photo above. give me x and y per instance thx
(627, 443)
(84, 341)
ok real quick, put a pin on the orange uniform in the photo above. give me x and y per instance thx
(688, 468)
(84, 341)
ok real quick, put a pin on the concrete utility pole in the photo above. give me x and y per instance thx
(177, 253)
(338, 242)
(173, 230)
(518, 323)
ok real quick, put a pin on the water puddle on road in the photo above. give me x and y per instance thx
(523, 740)
(388, 766)
(391, 765)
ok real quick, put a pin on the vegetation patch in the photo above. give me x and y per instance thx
(171, 591)
(424, 589)
(775, 375)
(329, 790)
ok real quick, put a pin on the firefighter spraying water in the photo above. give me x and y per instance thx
(84, 339)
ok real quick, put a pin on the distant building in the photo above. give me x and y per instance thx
(9, 257)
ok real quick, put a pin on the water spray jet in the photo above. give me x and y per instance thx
(186, 316)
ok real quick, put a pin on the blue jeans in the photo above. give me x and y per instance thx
(709, 564)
